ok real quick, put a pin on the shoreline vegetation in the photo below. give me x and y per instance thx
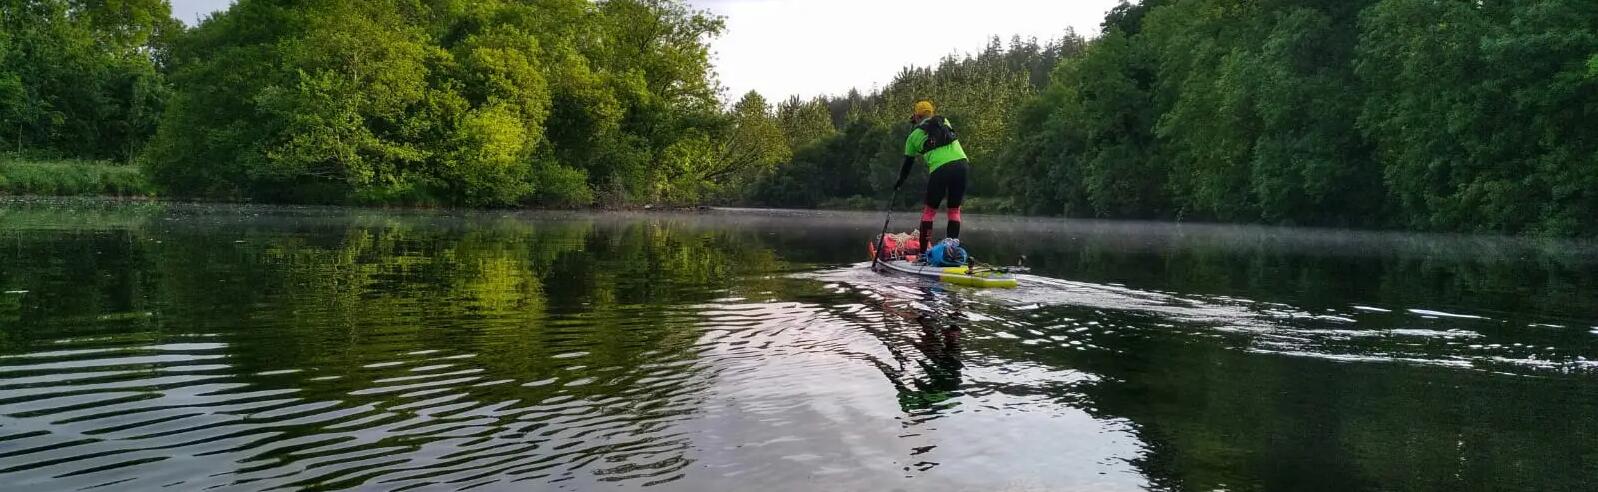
(38, 176)
(1366, 114)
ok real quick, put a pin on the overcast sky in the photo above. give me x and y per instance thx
(814, 47)
(189, 11)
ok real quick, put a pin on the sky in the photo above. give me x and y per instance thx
(825, 47)
(815, 47)
(190, 11)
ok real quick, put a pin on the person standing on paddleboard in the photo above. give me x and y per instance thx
(934, 140)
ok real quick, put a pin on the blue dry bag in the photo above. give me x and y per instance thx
(947, 254)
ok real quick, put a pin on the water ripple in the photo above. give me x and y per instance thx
(122, 416)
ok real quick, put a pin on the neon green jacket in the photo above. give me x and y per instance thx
(937, 157)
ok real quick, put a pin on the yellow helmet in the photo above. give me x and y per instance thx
(923, 109)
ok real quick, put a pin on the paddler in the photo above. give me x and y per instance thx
(934, 140)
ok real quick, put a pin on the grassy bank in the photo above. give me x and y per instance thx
(23, 175)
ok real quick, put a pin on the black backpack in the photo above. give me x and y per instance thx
(938, 133)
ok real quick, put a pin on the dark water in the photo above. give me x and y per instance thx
(240, 348)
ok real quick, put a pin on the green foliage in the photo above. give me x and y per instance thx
(859, 153)
(1424, 114)
(805, 122)
(1088, 137)
(1481, 114)
(846, 165)
(479, 104)
(69, 177)
(1368, 113)
(79, 78)
(1117, 176)
(991, 205)
(755, 143)
(856, 202)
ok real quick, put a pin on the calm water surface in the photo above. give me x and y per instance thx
(251, 348)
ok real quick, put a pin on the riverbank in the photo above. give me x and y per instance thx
(25, 175)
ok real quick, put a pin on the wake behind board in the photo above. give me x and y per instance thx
(955, 275)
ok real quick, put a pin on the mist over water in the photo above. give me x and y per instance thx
(239, 347)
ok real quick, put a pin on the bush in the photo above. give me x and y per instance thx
(995, 206)
(562, 186)
(856, 202)
(66, 177)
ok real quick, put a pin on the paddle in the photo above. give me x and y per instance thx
(888, 216)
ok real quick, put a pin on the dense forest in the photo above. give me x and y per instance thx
(1419, 114)
(855, 160)
(447, 102)
(83, 78)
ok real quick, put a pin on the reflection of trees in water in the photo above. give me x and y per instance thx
(344, 288)
(1312, 268)
(337, 294)
(1212, 416)
(1286, 423)
(73, 284)
(497, 286)
(597, 317)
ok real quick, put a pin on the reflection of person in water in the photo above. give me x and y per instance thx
(939, 344)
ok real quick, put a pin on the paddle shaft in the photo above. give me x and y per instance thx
(887, 217)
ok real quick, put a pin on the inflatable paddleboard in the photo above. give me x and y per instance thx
(954, 275)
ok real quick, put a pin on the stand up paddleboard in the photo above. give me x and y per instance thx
(967, 276)
(896, 256)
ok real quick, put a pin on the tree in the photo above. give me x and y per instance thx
(1478, 114)
(709, 163)
(495, 103)
(804, 122)
(755, 143)
(79, 78)
(980, 94)
(1429, 115)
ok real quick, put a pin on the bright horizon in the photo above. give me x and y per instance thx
(826, 47)
(810, 48)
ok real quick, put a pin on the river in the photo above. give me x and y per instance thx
(244, 347)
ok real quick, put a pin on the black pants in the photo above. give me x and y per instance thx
(947, 182)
